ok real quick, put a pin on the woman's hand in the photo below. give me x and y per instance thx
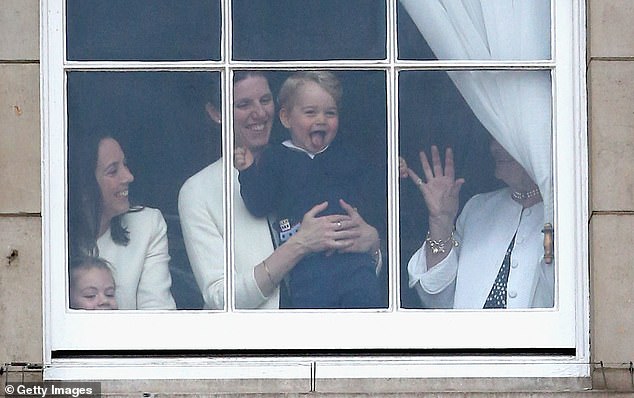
(322, 234)
(345, 233)
(325, 234)
(363, 237)
(440, 191)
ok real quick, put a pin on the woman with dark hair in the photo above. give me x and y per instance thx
(102, 223)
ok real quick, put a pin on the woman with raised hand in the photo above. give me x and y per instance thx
(492, 256)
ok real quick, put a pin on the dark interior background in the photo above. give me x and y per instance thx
(309, 30)
(143, 30)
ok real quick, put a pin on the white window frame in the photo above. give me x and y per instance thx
(65, 330)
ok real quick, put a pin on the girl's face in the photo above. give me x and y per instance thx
(113, 178)
(253, 112)
(93, 289)
(313, 119)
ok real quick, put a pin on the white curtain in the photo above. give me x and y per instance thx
(514, 106)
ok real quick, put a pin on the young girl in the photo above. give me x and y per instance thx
(92, 285)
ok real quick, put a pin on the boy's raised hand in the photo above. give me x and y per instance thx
(242, 158)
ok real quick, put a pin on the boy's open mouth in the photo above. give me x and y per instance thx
(318, 138)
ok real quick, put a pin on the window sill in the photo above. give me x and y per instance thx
(327, 374)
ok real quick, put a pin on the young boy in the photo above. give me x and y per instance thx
(310, 168)
(92, 285)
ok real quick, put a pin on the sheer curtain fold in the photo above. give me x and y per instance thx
(514, 106)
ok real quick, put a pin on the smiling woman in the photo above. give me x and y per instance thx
(102, 223)
(114, 178)
(254, 110)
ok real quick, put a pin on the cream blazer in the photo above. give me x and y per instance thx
(140, 269)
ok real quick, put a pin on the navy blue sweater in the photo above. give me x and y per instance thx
(288, 183)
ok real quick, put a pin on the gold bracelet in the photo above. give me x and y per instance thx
(268, 273)
(440, 245)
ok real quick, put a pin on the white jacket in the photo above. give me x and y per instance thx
(485, 229)
(140, 269)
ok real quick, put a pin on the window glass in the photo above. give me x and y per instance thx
(432, 112)
(326, 144)
(143, 30)
(308, 30)
(160, 122)
(515, 198)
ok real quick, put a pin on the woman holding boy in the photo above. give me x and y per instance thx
(259, 266)
(312, 167)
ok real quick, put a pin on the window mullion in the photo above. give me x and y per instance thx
(228, 140)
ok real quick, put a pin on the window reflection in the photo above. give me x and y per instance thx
(492, 257)
(143, 30)
(133, 139)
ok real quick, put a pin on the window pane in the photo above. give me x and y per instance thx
(487, 30)
(309, 29)
(160, 124)
(504, 113)
(287, 182)
(143, 30)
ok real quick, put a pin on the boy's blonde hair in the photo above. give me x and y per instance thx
(325, 79)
